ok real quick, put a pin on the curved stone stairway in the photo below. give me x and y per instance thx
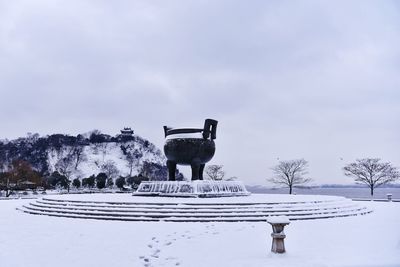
(190, 211)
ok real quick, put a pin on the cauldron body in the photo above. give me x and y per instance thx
(190, 146)
(186, 151)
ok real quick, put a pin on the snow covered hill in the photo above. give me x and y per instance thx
(86, 154)
(96, 157)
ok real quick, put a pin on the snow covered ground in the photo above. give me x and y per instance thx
(27, 240)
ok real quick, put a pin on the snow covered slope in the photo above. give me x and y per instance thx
(85, 155)
(95, 156)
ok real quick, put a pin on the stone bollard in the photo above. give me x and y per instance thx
(389, 197)
(278, 236)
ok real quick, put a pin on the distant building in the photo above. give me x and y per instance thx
(127, 131)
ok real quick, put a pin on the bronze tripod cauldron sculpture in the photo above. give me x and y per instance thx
(190, 146)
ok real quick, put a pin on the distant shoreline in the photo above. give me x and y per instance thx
(350, 192)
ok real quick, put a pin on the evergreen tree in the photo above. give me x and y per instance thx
(89, 182)
(56, 179)
(76, 183)
(120, 182)
(101, 179)
(110, 182)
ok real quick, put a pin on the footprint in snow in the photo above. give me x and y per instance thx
(177, 263)
(146, 262)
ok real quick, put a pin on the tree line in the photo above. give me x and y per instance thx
(21, 176)
(99, 181)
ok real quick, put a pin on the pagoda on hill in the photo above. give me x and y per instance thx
(127, 131)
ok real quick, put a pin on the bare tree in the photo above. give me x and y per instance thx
(215, 172)
(77, 154)
(66, 167)
(3, 159)
(103, 149)
(19, 171)
(290, 173)
(133, 159)
(372, 172)
(110, 169)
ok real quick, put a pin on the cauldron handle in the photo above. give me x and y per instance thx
(166, 129)
(210, 127)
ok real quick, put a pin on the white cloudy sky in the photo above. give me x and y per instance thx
(286, 79)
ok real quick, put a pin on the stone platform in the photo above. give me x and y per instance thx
(199, 188)
(253, 208)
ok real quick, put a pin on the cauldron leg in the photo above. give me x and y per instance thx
(201, 171)
(171, 170)
(195, 170)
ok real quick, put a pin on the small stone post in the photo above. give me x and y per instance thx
(389, 197)
(278, 224)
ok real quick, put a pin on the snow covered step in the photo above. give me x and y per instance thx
(205, 209)
(192, 219)
(253, 208)
(189, 202)
(151, 213)
(209, 210)
(34, 212)
(195, 216)
(197, 206)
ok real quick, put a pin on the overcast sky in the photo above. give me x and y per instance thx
(317, 80)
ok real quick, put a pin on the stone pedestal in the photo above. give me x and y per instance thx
(199, 188)
(278, 224)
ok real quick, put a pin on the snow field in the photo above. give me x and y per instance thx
(370, 240)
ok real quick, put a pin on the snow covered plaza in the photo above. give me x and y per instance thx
(371, 239)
